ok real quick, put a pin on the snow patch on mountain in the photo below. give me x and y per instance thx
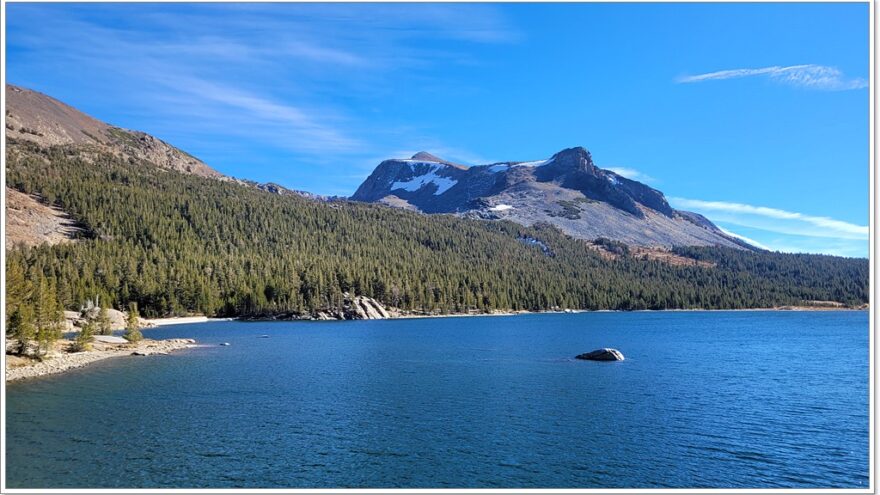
(536, 163)
(416, 183)
(502, 167)
(501, 208)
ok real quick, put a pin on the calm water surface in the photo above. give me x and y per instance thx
(721, 399)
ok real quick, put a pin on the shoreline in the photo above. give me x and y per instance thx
(186, 320)
(781, 309)
(64, 361)
(396, 315)
(178, 320)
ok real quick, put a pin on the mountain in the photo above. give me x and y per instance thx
(113, 224)
(567, 190)
(33, 116)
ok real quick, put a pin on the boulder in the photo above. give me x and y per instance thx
(74, 320)
(604, 354)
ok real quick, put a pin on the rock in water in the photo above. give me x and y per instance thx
(604, 354)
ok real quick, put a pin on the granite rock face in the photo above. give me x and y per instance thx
(355, 308)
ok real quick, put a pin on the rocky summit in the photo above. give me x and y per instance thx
(567, 190)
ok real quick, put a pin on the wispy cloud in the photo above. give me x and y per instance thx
(773, 219)
(237, 84)
(301, 129)
(745, 239)
(809, 76)
(631, 173)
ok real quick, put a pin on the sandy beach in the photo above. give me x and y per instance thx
(179, 320)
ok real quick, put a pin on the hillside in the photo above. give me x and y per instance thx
(33, 116)
(567, 190)
(177, 243)
(31, 223)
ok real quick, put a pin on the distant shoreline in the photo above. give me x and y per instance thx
(572, 311)
(188, 320)
(68, 361)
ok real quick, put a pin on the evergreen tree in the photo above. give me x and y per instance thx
(49, 317)
(133, 325)
(83, 341)
(104, 325)
(17, 293)
(21, 327)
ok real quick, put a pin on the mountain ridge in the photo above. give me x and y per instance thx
(567, 190)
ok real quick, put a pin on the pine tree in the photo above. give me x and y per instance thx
(83, 341)
(103, 323)
(17, 292)
(21, 327)
(49, 317)
(133, 325)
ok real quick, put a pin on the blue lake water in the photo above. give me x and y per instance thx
(703, 399)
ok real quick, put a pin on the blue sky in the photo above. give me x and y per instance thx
(756, 115)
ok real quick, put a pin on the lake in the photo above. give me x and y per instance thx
(744, 399)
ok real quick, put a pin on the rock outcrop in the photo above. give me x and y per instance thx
(29, 222)
(352, 308)
(75, 319)
(356, 308)
(604, 354)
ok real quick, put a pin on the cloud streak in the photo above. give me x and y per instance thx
(808, 76)
(303, 131)
(745, 239)
(774, 220)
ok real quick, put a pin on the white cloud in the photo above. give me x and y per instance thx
(775, 241)
(745, 239)
(289, 122)
(809, 76)
(773, 219)
(631, 173)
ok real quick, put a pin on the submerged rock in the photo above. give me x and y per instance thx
(604, 354)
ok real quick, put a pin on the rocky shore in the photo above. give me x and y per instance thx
(61, 360)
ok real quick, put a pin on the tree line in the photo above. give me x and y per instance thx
(177, 244)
